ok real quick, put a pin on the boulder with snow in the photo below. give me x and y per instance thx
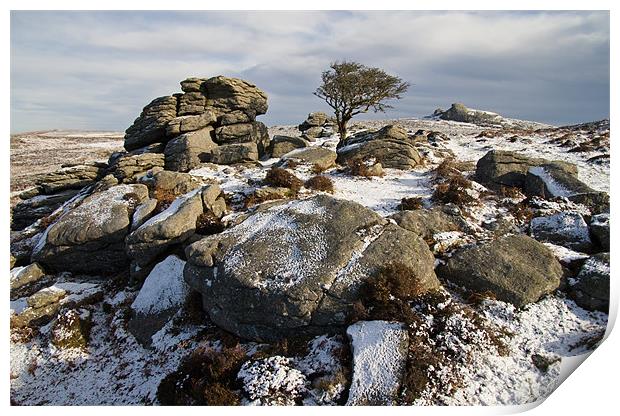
(21, 276)
(172, 226)
(507, 168)
(380, 351)
(551, 180)
(590, 289)
(567, 229)
(281, 145)
(599, 228)
(296, 267)
(71, 330)
(460, 112)
(516, 268)
(90, 238)
(319, 156)
(390, 146)
(162, 294)
(36, 309)
(27, 212)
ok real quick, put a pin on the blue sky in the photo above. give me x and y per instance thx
(96, 70)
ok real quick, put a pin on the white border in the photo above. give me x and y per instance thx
(591, 390)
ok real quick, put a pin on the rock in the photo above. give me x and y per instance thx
(516, 268)
(599, 228)
(321, 157)
(129, 168)
(72, 329)
(255, 132)
(39, 308)
(91, 237)
(281, 145)
(187, 151)
(163, 293)
(192, 84)
(296, 267)
(506, 168)
(380, 351)
(389, 146)
(567, 229)
(29, 193)
(192, 103)
(175, 183)
(552, 180)
(184, 124)
(70, 177)
(230, 94)
(459, 112)
(234, 117)
(312, 133)
(316, 119)
(213, 200)
(12, 261)
(21, 276)
(27, 212)
(426, 222)
(229, 154)
(142, 213)
(376, 170)
(150, 126)
(172, 226)
(597, 202)
(590, 289)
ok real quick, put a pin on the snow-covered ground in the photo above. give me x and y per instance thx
(115, 369)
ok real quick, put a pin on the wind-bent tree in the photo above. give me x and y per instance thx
(351, 88)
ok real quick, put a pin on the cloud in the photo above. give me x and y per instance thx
(98, 69)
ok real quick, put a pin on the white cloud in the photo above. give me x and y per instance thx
(101, 68)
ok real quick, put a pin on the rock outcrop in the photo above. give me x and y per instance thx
(281, 145)
(516, 268)
(390, 146)
(297, 267)
(316, 125)
(459, 112)
(210, 112)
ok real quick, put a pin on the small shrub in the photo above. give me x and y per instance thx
(320, 183)
(164, 197)
(411, 203)
(509, 192)
(357, 167)
(282, 178)
(454, 190)
(317, 169)
(217, 394)
(207, 224)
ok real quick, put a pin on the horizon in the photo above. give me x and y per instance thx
(102, 68)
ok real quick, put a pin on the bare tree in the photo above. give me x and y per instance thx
(351, 88)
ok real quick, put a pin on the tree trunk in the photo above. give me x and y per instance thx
(342, 132)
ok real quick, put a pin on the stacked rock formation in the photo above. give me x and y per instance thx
(316, 125)
(213, 120)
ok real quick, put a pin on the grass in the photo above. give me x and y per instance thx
(320, 183)
(164, 197)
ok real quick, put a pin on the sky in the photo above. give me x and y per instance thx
(96, 70)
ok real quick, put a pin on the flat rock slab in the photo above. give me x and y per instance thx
(516, 268)
(379, 359)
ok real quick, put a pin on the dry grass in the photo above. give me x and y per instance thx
(206, 377)
(411, 203)
(164, 198)
(454, 190)
(320, 183)
(357, 167)
(317, 169)
(207, 224)
(279, 177)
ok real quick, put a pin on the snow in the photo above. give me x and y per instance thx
(379, 355)
(565, 255)
(555, 188)
(569, 226)
(272, 381)
(163, 289)
(553, 327)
